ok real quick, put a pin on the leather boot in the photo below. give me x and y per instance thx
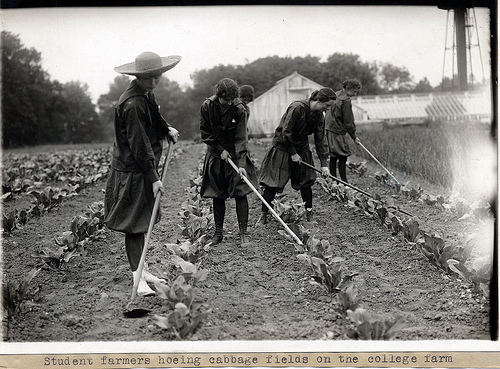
(243, 234)
(218, 237)
(309, 215)
(262, 218)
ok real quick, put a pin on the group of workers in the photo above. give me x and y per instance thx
(134, 181)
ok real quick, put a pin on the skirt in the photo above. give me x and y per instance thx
(337, 144)
(278, 168)
(221, 181)
(128, 202)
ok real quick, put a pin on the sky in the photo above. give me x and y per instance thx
(85, 44)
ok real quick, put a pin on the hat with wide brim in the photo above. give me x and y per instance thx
(149, 64)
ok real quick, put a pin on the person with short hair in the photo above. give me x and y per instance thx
(223, 127)
(246, 96)
(134, 181)
(339, 120)
(290, 146)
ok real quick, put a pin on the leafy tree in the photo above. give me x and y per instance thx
(25, 91)
(393, 79)
(190, 128)
(51, 129)
(174, 104)
(205, 80)
(175, 107)
(36, 110)
(81, 122)
(339, 67)
(451, 84)
(423, 86)
(106, 103)
(263, 73)
(309, 66)
(448, 84)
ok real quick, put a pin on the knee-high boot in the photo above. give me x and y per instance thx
(219, 207)
(242, 215)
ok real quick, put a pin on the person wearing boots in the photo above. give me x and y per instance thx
(290, 146)
(134, 181)
(339, 120)
(223, 127)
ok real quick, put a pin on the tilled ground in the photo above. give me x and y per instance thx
(258, 292)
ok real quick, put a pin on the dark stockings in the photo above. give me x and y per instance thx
(342, 167)
(219, 206)
(134, 244)
(307, 196)
(269, 194)
(242, 210)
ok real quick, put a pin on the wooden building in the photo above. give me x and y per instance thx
(371, 111)
(267, 109)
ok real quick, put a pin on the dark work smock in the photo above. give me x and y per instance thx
(139, 131)
(225, 128)
(339, 120)
(292, 137)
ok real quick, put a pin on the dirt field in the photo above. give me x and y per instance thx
(259, 292)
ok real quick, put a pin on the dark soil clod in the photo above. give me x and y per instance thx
(136, 313)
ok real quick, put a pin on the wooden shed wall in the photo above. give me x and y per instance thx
(267, 110)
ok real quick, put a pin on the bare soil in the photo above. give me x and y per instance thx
(258, 292)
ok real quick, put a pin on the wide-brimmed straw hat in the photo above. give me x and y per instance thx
(149, 64)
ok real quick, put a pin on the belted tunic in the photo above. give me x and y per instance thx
(139, 132)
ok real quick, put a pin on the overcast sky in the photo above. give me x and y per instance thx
(85, 44)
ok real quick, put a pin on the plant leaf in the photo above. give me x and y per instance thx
(378, 330)
(359, 315)
(200, 276)
(391, 328)
(364, 331)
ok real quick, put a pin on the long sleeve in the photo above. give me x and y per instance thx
(292, 116)
(208, 136)
(292, 132)
(135, 118)
(240, 139)
(321, 144)
(156, 109)
(348, 116)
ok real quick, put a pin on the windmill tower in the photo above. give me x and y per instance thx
(464, 42)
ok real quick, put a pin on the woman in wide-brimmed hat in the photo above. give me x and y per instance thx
(223, 128)
(134, 181)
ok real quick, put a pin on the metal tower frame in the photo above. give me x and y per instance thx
(464, 20)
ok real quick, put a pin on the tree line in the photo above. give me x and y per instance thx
(37, 110)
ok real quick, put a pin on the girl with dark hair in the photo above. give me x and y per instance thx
(223, 128)
(246, 96)
(339, 120)
(290, 146)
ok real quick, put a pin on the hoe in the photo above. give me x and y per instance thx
(350, 185)
(247, 181)
(138, 312)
